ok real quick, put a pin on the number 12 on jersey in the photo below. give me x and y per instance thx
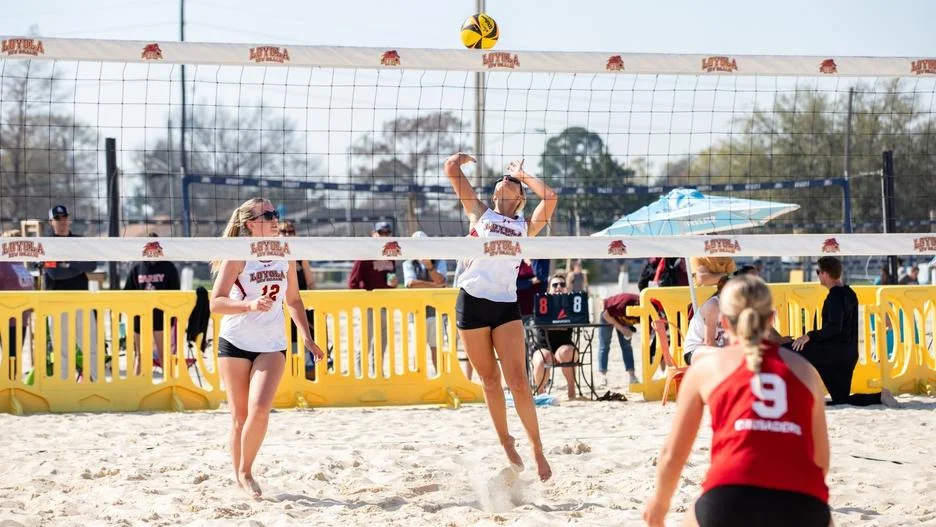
(270, 291)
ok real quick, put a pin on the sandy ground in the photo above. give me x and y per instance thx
(420, 466)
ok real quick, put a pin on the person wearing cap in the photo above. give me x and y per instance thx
(421, 274)
(64, 276)
(374, 274)
(370, 275)
(69, 276)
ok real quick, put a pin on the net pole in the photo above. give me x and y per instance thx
(186, 205)
(846, 188)
(887, 205)
(113, 204)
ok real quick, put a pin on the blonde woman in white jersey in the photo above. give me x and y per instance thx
(252, 340)
(487, 314)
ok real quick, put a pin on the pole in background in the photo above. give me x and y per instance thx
(887, 198)
(479, 118)
(182, 130)
(846, 187)
(113, 204)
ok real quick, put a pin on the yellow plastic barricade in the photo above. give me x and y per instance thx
(799, 310)
(675, 302)
(81, 353)
(906, 312)
(379, 352)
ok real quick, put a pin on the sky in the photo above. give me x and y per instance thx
(808, 27)
(731, 27)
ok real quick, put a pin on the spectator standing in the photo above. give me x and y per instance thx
(426, 274)
(152, 276)
(370, 275)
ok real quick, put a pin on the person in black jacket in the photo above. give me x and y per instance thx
(833, 349)
(152, 276)
(64, 276)
(70, 276)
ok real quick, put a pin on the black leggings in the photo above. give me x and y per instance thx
(837, 377)
(746, 505)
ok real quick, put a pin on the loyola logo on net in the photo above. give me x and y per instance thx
(263, 54)
(711, 64)
(151, 51)
(23, 248)
(722, 245)
(831, 245)
(22, 46)
(926, 244)
(615, 63)
(502, 248)
(617, 248)
(392, 250)
(828, 66)
(500, 59)
(390, 58)
(152, 250)
(267, 248)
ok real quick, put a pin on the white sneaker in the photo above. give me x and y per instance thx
(632, 378)
(602, 380)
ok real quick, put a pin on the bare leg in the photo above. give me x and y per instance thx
(158, 347)
(264, 379)
(566, 354)
(509, 343)
(137, 364)
(236, 376)
(481, 355)
(541, 358)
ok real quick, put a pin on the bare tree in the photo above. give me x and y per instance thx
(249, 143)
(46, 158)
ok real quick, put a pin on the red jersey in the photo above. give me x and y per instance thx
(764, 442)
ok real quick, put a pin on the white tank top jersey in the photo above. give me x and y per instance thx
(695, 336)
(258, 331)
(494, 280)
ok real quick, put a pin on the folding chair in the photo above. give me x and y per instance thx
(674, 373)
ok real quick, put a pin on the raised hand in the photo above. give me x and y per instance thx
(460, 158)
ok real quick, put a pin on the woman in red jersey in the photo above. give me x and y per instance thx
(770, 446)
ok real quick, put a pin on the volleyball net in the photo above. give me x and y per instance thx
(342, 138)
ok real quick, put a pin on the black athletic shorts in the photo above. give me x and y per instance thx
(473, 313)
(157, 321)
(226, 349)
(556, 339)
(745, 505)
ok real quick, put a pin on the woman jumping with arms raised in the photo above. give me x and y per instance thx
(487, 314)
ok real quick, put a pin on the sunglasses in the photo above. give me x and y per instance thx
(555, 285)
(508, 177)
(290, 232)
(268, 215)
(60, 217)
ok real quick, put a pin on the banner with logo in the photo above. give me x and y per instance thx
(271, 54)
(295, 248)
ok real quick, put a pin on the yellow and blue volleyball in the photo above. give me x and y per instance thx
(479, 32)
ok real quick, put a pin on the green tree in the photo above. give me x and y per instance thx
(578, 157)
(802, 137)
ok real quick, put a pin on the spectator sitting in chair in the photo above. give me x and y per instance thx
(554, 346)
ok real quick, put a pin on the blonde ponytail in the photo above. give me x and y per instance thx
(747, 304)
(237, 225)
